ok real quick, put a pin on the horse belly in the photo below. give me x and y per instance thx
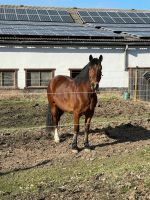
(64, 104)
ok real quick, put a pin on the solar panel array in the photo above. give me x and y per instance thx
(14, 14)
(58, 22)
(115, 17)
(133, 30)
(53, 30)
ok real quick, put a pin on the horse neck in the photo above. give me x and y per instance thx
(83, 76)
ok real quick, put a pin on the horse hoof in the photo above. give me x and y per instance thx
(57, 141)
(88, 150)
(75, 151)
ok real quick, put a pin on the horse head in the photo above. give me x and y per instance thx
(95, 72)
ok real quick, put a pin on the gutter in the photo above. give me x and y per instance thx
(126, 58)
(76, 42)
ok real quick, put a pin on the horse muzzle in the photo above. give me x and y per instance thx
(95, 87)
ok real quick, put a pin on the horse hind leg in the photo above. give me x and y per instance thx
(56, 118)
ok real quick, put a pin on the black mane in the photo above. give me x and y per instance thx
(83, 76)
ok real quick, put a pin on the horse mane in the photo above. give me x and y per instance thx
(83, 76)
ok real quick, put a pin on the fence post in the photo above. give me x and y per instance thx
(136, 84)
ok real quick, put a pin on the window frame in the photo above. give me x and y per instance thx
(37, 70)
(74, 69)
(15, 78)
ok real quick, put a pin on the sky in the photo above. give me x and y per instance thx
(122, 4)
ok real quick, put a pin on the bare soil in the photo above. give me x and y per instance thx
(119, 128)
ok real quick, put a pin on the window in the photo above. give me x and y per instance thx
(74, 72)
(38, 78)
(8, 78)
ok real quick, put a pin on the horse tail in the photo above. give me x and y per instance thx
(49, 121)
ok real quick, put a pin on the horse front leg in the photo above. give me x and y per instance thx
(87, 127)
(74, 145)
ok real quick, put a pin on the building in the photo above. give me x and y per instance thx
(37, 43)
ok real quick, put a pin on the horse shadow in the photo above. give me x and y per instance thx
(120, 134)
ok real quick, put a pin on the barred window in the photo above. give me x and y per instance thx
(8, 78)
(38, 78)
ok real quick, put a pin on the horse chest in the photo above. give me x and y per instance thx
(88, 104)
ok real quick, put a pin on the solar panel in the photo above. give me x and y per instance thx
(20, 27)
(146, 20)
(94, 14)
(27, 32)
(2, 17)
(62, 30)
(55, 18)
(31, 12)
(63, 12)
(84, 13)
(108, 20)
(21, 11)
(39, 23)
(118, 20)
(9, 31)
(116, 17)
(132, 14)
(42, 12)
(141, 34)
(122, 25)
(67, 18)
(87, 19)
(52, 12)
(33, 17)
(9, 10)
(22, 17)
(45, 15)
(98, 20)
(1, 10)
(113, 14)
(44, 18)
(129, 29)
(121, 14)
(141, 14)
(128, 20)
(138, 20)
(103, 14)
(23, 14)
(11, 17)
(147, 14)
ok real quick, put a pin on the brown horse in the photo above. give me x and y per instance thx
(77, 96)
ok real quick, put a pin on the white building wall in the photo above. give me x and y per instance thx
(63, 58)
(139, 56)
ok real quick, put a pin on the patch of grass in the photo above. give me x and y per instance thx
(116, 168)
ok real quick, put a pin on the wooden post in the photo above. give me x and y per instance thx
(136, 84)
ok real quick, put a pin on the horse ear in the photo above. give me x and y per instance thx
(101, 58)
(90, 58)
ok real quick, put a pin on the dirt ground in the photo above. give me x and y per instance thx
(120, 133)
